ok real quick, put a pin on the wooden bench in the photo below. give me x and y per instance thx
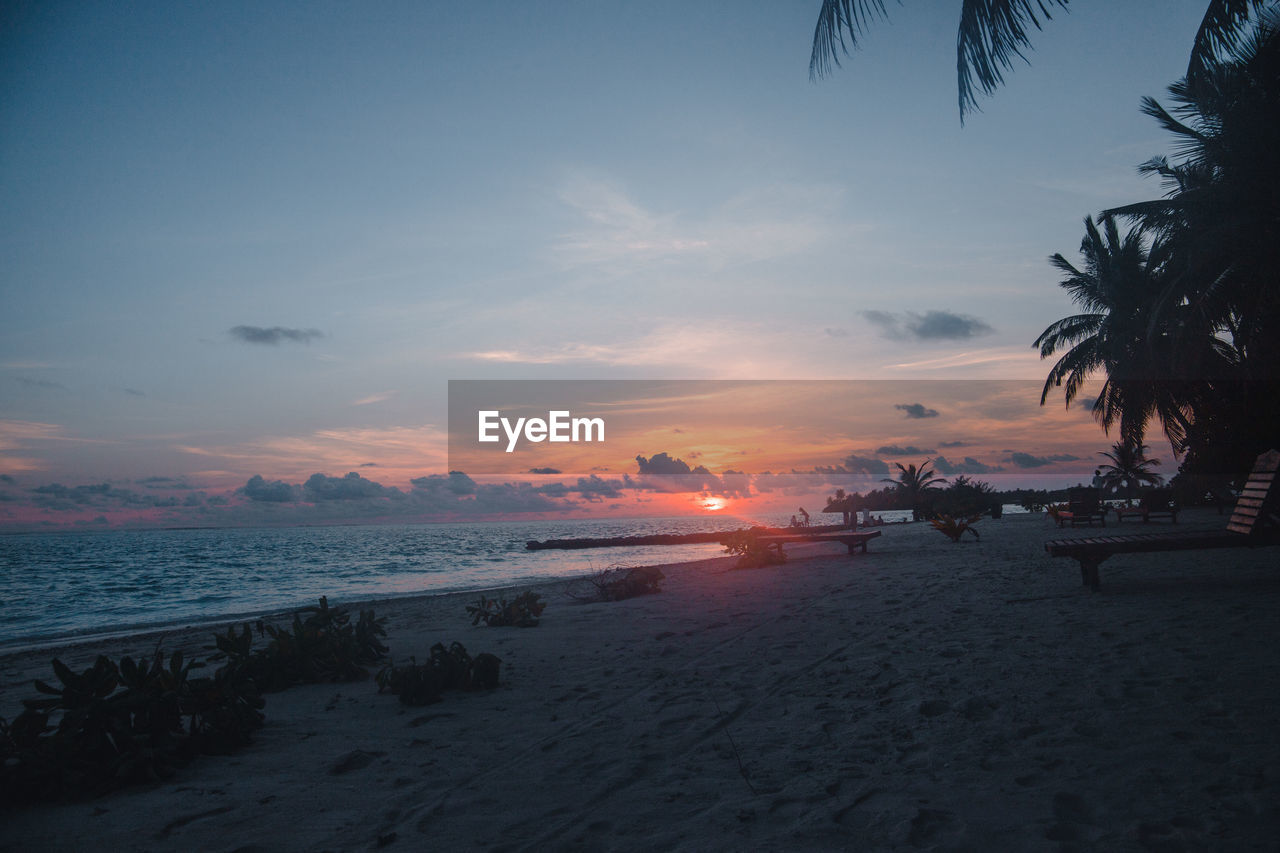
(1154, 503)
(1255, 523)
(853, 540)
(1084, 506)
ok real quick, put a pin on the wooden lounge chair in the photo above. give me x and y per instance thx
(1154, 503)
(1255, 523)
(1084, 506)
(853, 540)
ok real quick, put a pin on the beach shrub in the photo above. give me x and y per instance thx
(617, 584)
(116, 723)
(953, 528)
(445, 669)
(323, 646)
(139, 720)
(751, 552)
(522, 612)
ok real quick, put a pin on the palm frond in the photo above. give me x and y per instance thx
(1220, 32)
(835, 18)
(992, 34)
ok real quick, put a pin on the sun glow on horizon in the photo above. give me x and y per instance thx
(714, 504)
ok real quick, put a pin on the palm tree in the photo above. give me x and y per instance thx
(1129, 468)
(913, 482)
(993, 33)
(1221, 213)
(1220, 222)
(1122, 334)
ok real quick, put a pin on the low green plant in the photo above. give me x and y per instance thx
(618, 584)
(321, 644)
(139, 720)
(523, 611)
(445, 669)
(751, 552)
(953, 528)
(116, 723)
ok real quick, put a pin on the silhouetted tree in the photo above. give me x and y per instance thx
(912, 482)
(1122, 334)
(1129, 468)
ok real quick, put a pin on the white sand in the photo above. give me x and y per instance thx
(925, 695)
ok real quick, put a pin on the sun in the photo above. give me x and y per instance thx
(714, 504)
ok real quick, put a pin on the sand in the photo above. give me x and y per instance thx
(926, 695)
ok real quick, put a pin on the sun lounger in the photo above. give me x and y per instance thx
(1154, 503)
(853, 540)
(1084, 506)
(1255, 523)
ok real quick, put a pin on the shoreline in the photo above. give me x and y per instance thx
(924, 695)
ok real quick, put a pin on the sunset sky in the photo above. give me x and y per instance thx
(256, 240)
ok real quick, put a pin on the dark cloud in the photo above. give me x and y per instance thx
(458, 494)
(663, 473)
(545, 471)
(968, 465)
(898, 450)
(276, 491)
(457, 483)
(1026, 460)
(916, 410)
(836, 333)
(349, 488)
(273, 336)
(866, 465)
(164, 483)
(596, 488)
(368, 464)
(5, 478)
(133, 392)
(929, 326)
(955, 444)
(58, 497)
(735, 484)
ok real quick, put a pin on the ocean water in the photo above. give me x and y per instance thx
(58, 585)
(70, 584)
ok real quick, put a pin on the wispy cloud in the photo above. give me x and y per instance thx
(765, 222)
(374, 398)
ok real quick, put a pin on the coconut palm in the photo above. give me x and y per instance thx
(993, 33)
(1122, 334)
(1221, 214)
(913, 482)
(1220, 222)
(1129, 468)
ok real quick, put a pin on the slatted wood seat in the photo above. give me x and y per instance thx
(1154, 503)
(1255, 523)
(853, 540)
(1084, 506)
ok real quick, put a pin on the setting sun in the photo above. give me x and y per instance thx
(714, 504)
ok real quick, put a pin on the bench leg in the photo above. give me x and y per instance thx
(1089, 571)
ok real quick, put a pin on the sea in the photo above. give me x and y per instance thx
(71, 585)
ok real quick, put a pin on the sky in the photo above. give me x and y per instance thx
(247, 240)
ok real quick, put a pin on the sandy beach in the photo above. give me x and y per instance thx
(926, 695)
